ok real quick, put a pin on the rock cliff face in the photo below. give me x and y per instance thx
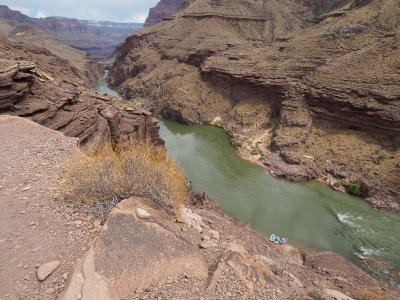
(99, 39)
(47, 90)
(85, 67)
(316, 94)
(163, 9)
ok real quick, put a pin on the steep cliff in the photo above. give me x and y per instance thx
(40, 86)
(163, 9)
(85, 67)
(315, 93)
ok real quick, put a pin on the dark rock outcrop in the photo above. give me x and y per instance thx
(163, 9)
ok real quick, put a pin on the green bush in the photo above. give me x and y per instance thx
(255, 152)
(261, 158)
(354, 189)
(229, 133)
(206, 122)
(236, 144)
(188, 185)
(337, 184)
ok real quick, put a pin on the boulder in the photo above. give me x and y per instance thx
(46, 269)
(336, 295)
(130, 254)
(251, 271)
(142, 214)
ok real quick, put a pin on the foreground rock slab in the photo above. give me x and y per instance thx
(131, 254)
(46, 269)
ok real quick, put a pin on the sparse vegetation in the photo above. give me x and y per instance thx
(337, 184)
(188, 185)
(370, 295)
(261, 158)
(229, 133)
(303, 252)
(255, 152)
(99, 177)
(318, 293)
(236, 144)
(382, 156)
(354, 189)
(207, 122)
(279, 266)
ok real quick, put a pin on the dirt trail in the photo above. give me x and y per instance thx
(34, 228)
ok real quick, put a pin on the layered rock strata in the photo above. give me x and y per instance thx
(50, 93)
(317, 95)
(163, 9)
(84, 66)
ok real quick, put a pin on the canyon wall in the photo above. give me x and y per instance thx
(163, 9)
(314, 95)
(40, 86)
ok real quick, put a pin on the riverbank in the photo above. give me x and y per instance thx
(311, 214)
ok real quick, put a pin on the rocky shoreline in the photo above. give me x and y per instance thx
(219, 258)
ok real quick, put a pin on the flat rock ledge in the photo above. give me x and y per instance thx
(132, 254)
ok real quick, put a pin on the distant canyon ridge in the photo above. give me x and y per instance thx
(98, 38)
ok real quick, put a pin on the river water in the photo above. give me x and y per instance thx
(309, 214)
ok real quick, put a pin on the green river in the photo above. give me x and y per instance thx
(309, 214)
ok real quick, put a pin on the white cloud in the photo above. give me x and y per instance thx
(40, 14)
(137, 18)
(100, 10)
(24, 10)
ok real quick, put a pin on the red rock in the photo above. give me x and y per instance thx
(163, 9)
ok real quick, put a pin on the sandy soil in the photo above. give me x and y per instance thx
(35, 228)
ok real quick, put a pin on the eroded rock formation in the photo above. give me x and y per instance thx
(323, 87)
(49, 92)
(163, 9)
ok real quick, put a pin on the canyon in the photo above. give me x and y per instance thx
(97, 38)
(308, 88)
(47, 89)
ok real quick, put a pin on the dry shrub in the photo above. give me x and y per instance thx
(318, 292)
(99, 177)
(279, 266)
(370, 295)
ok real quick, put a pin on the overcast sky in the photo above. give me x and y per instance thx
(100, 10)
